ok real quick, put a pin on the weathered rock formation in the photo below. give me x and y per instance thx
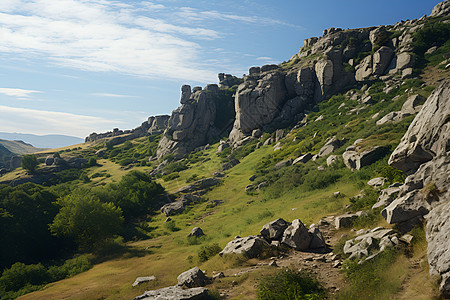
(154, 125)
(201, 118)
(423, 153)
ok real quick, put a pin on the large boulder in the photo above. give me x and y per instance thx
(250, 246)
(303, 158)
(201, 184)
(387, 196)
(297, 236)
(317, 239)
(192, 278)
(356, 160)
(175, 292)
(427, 136)
(172, 208)
(275, 229)
(196, 232)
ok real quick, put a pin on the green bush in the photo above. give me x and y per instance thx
(208, 251)
(29, 162)
(321, 179)
(92, 161)
(176, 166)
(289, 284)
(171, 226)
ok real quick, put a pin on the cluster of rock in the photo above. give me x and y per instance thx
(370, 243)
(190, 287)
(424, 154)
(294, 235)
(226, 81)
(57, 163)
(196, 122)
(154, 125)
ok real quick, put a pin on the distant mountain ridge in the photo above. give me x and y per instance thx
(19, 147)
(42, 141)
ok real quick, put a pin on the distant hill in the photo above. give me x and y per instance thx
(43, 141)
(5, 155)
(19, 147)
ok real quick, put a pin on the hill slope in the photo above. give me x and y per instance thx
(313, 140)
(43, 141)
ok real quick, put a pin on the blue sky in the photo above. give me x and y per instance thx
(78, 66)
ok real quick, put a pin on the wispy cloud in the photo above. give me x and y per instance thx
(193, 14)
(18, 93)
(264, 58)
(136, 38)
(102, 36)
(34, 121)
(113, 95)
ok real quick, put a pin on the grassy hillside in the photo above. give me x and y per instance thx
(118, 203)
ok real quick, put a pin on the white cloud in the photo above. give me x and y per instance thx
(113, 95)
(34, 121)
(264, 58)
(18, 93)
(102, 36)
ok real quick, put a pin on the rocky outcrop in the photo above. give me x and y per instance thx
(423, 153)
(370, 243)
(141, 280)
(441, 9)
(438, 238)
(154, 125)
(198, 121)
(179, 204)
(199, 185)
(428, 135)
(226, 81)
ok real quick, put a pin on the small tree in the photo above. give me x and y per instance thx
(87, 220)
(29, 162)
(92, 162)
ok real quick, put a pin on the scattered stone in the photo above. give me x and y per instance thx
(332, 159)
(140, 280)
(407, 238)
(273, 263)
(218, 275)
(356, 160)
(168, 219)
(377, 182)
(231, 163)
(252, 178)
(263, 185)
(337, 194)
(302, 159)
(192, 278)
(387, 195)
(196, 232)
(172, 208)
(330, 146)
(283, 164)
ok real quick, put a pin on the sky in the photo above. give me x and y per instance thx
(74, 67)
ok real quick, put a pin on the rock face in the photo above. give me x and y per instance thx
(192, 278)
(438, 238)
(297, 236)
(427, 136)
(423, 153)
(251, 246)
(441, 9)
(202, 116)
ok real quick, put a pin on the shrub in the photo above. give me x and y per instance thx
(92, 162)
(208, 251)
(170, 177)
(29, 162)
(290, 284)
(171, 226)
(20, 275)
